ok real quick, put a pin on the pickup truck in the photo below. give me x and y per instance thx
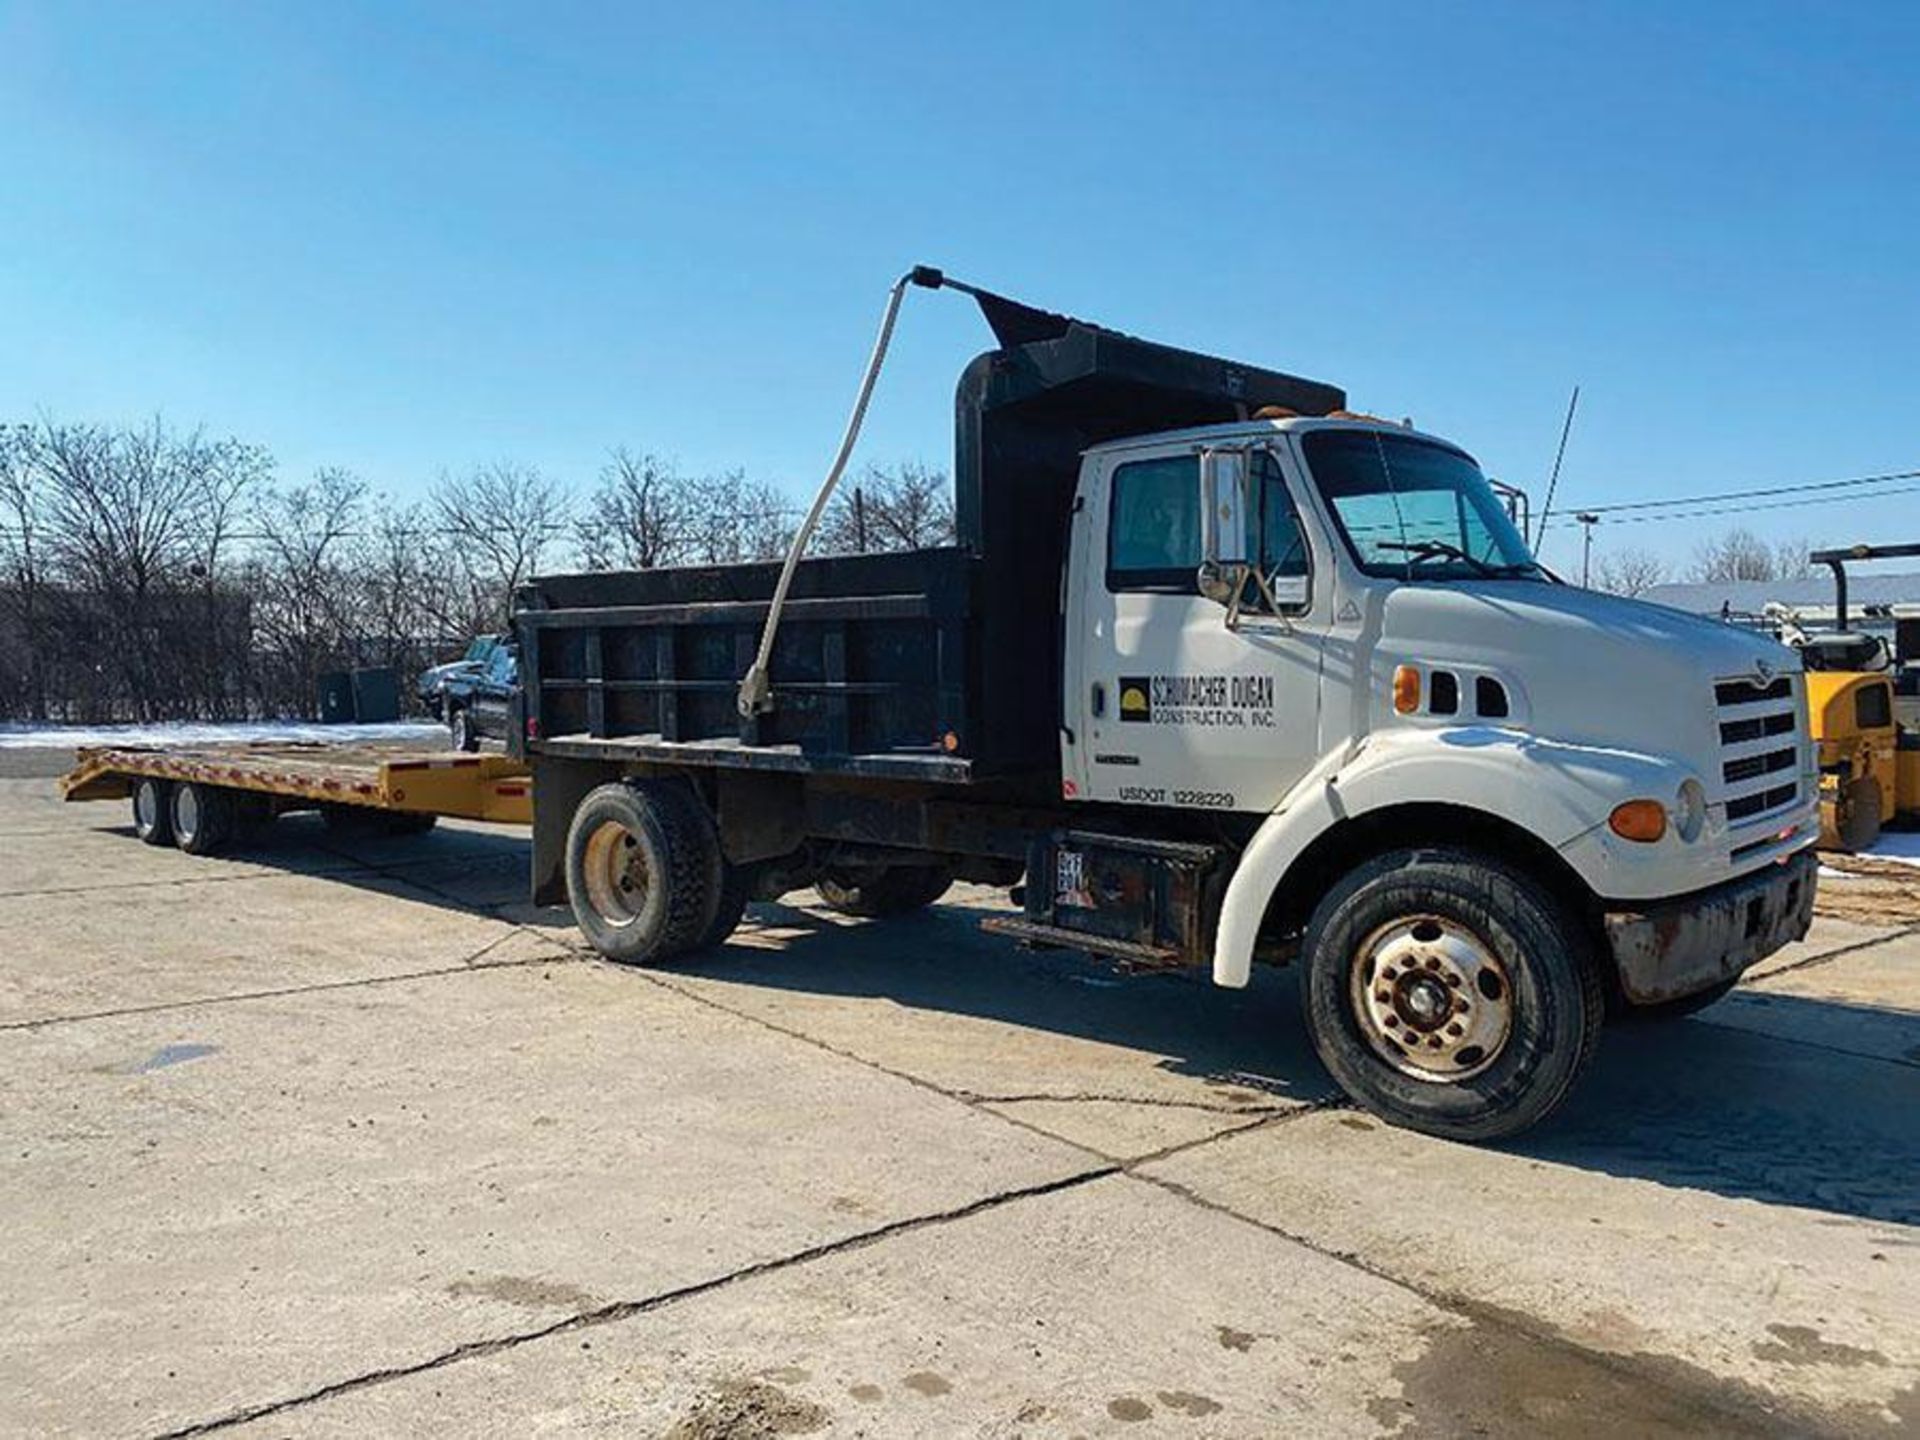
(476, 704)
(1219, 673)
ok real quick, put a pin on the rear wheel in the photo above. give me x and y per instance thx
(644, 871)
(730, 903)
(152, 817)
(881, 890)
(1450, 993)
(203, 817)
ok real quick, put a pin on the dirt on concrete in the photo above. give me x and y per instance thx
(1869, 891)
(748, 1410)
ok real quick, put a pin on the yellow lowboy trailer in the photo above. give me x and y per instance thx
(203, 798)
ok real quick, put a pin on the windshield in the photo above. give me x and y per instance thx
(1414, 510)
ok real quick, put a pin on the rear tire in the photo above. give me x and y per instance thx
(203, 817)
(884, 890)
(152, 811)
(1450, 993)
(730, 904)
(644, 871)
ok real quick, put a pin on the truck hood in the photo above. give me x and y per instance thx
(1583, 666)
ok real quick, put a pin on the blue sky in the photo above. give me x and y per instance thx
(401, 238)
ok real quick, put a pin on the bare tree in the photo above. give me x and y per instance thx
(303, 583)
(1790, 560)
(505, 517)
(22, 574)
(134, 518)
(1631, 572)
(1737, 555)
(907, 508)
(730, 518)
(636, 518)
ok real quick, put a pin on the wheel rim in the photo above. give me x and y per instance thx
(619, 880)
(146, 807)
(1432, 998)
(186, 812)
(459, 730)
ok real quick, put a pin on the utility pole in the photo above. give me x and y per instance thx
(1587, 521)
(859, 521)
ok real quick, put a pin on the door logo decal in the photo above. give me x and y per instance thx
(1222, 700)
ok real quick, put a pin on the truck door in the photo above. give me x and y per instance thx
(1173, 705)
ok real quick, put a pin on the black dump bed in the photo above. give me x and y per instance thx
(942, 664)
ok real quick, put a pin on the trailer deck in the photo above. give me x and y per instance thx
(306, 776)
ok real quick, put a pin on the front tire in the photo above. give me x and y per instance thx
(460, 730)
(1450, 993)
(644, 871)
(152, 811)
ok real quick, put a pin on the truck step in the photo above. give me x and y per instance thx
(1133, 954)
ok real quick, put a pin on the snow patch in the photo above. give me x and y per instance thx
(1900, 845)
(44, 737)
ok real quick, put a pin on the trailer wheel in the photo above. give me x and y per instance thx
(643, 870)
(152, 812)
(1450, 993)
(202, 817)
(882, 890)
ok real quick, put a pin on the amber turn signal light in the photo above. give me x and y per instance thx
(1406, 689)
(1642, 820)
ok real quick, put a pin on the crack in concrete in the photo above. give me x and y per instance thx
(975, 1097)
(1827, 957)
(626, 1309)
(1820, 1045)
(467, 965)
(1747, 1412)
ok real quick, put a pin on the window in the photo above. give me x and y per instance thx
(1873, 706)
(1415, 510)
(1153, 539)
(1153, 536)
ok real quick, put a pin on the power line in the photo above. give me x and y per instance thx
(1616, 519)
(1764, 492)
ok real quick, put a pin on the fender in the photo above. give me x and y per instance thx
(1551, 789)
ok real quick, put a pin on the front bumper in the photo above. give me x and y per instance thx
(1679, 947)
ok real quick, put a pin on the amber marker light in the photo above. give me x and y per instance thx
(1641, 820)
(1406, 689)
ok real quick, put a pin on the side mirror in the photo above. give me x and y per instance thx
(1223, 507)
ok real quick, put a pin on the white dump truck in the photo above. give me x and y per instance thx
(1218, 673)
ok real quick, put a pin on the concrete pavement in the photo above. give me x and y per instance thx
(346, 1138)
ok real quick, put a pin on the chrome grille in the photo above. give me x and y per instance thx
(1759, 746)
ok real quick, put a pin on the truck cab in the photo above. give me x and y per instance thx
(1335, 624)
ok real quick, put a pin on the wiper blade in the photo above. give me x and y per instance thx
(1440, 549)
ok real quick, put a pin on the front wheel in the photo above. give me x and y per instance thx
(1450, 993)
(460, 730)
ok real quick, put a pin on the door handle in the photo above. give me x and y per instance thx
(1099, 700)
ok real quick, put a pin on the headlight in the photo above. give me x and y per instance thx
(1690, 810)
